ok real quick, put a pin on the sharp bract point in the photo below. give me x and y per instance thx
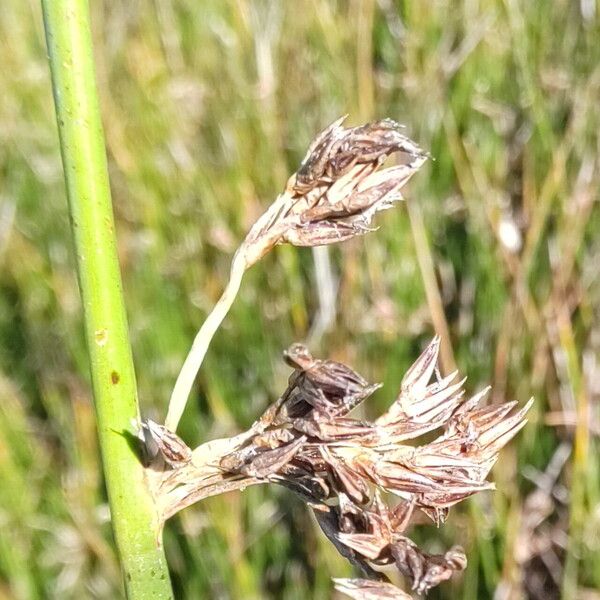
(421, 371)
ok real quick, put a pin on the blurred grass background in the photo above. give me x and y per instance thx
(208, 106)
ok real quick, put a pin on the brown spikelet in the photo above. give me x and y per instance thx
(338, 188)
(426, 570)
(160, 442)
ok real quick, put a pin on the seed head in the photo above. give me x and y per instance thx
(338, 188)
(362, 480)
(308, 442)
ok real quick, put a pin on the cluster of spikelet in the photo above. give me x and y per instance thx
(362, 479)
(342, 467)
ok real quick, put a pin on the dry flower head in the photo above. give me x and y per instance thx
(361, 478)
(364, 480)
(338, 188)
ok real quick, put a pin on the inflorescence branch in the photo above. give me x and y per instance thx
(332, 197)
(363, 480)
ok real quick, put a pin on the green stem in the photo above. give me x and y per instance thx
(134, 516)
(580, 468)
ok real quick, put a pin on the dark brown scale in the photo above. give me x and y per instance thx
(160, 440)
(352, 518)
(334, 430)
(315, 165)
(313, 489)
(336, 150)
(345, 480)
(271, 461)
(236, 460)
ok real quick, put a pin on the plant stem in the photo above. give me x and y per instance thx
(193, 361)
(432, 292)
(134, 515)
(580, 469)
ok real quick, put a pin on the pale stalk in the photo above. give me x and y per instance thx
(193, 361)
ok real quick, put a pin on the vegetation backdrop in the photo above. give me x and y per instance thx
(208, 106)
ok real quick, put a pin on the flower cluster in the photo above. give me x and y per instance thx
(362, 480)
(338, 188)
(307, 442)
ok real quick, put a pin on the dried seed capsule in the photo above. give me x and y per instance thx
(163, 442)
(337, 190)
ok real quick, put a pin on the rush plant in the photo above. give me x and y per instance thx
(363, 480)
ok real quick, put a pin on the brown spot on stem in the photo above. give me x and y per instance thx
(115, 377)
